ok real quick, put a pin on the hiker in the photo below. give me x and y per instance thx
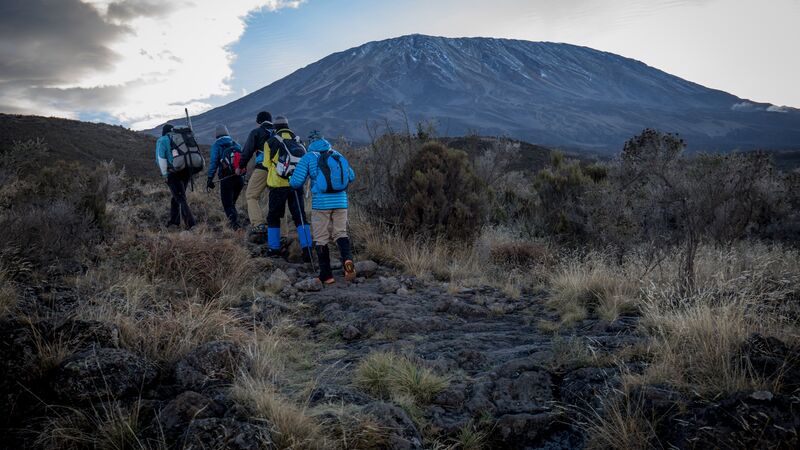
(330, 174)
(285, 151)
(254, 146)
(177, 181)
(225, 157)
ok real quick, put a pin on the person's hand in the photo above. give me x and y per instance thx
(210, 185)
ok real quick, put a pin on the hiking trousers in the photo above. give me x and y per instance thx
(229, 190)
(179, 206)
(278, 198)
(328, 225)
(255, 187)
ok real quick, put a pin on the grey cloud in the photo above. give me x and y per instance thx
(125, 10)
(47, 42)
(51, 101)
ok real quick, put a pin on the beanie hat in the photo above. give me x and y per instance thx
(166, 129)
(263, 116)
(221, 130)
(281, 122)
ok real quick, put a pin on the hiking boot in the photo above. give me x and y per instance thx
(349, 270)
(259, 229)
(324, 258)
(274, 253)
(328, 282)
(306, 252)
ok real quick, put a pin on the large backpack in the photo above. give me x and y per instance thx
(185, 151)
(290, 151)
(333, 172)
(231, 156)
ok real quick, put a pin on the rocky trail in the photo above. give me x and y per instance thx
(525, 383)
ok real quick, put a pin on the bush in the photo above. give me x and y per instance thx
(441, 194)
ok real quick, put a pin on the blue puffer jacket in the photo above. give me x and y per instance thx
(222, 143)
(307, 168)
(164, 155)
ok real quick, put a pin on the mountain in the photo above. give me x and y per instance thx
(547, 93)
(90, 143)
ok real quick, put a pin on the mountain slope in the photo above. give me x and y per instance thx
(547, 93)
(90, 143)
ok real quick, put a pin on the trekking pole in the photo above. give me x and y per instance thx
(302, 223)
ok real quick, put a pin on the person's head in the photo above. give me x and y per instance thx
(263, 116)
(281, 123)
(166, 129)
(314, 136)
(221, 130)
(319, 145)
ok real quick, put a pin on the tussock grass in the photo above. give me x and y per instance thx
(8, 295)
(107, 427)
(198, 264)
(580, 290)
(292, 425)
(391, 376)
(623, 425)
(349, 427)
(161, 331)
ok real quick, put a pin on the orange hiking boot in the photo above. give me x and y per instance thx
(329, 281)
(349, 270)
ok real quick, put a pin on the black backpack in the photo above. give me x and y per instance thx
(231, 156)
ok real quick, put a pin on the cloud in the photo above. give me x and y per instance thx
(139, 61)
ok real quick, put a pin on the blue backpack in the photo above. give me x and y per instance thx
(333, 172)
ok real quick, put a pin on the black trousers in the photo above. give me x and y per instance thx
(278, 197)
(229, 190)
(179, 206)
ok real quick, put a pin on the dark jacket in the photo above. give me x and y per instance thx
(255, 145)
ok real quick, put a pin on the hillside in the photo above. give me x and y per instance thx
(547, 93)
(73, 140)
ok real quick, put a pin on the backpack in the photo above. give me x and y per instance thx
(231, 156)
(185, 151)
(290, 151)
(333, 172)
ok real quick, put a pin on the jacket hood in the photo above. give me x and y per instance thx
(224, 139)
(320, 145)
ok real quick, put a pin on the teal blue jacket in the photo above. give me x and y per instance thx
(164, 155)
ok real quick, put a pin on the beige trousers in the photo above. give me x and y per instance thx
(255, 187)
(328, 225)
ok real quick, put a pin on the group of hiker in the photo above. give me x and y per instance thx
(283, 165)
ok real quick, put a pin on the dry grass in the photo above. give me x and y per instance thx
(591, 288)
(198, 264)
(392, 376)
(350, 428)
(623, 425)
(161, 331)
(293, 426)
(8, 295)
(111, 427)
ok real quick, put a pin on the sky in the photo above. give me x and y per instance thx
(140, 62)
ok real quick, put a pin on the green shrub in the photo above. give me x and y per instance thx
(440, 194)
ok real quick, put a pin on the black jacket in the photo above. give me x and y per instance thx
(255, 143)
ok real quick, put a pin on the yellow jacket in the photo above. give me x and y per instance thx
(271, 160)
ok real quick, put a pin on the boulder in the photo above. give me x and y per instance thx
(88, 333)
(400, 431)
(388, 285)
(520, 386)
(226, 433)
(277, 281)
(210, 365)
(100, 373)
(524, 430)
(351, 333)
(366, 269)
(185, 408)
(309, 285)
(589, 386)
